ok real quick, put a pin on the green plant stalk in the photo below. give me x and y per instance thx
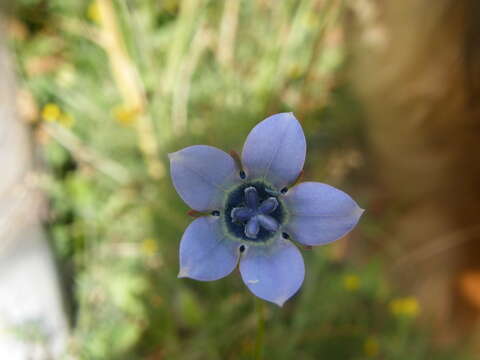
(130, 86)
(259, 342)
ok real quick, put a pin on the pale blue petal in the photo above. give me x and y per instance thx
(275, 150)
(273, 273)
(319, 213)
(201, 174)
(205, 254)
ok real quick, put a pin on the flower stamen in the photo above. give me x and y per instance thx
(252, 228)
(268, 206)
(255, 214)
(241, 214)
(251, 197)
(268, 222)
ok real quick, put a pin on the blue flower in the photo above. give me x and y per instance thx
(253, 212)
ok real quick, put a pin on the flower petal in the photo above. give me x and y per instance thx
(320, 213)
(275, 150)
(273, 273)
(204, 253)
(201, 174)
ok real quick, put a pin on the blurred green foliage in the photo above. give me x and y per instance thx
(205, 72)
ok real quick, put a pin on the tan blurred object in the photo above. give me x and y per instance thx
(41, 65)
(30, 297)
(416, 69)
(27, 106)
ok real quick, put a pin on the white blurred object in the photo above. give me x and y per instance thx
(33, 324)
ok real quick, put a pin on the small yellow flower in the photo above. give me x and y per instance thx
(51, 112)
(407, 307)
(149, 246)
(371, 347)
(93, 12)
(125, 115)
(411, 306)
(351, 282)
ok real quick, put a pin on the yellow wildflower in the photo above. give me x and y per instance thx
(51, 112)
(126, 115)
(371, 347)
(149, 246)
(93, 13)
(351, 282)
(407, 306)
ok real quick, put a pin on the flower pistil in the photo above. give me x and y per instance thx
(255, 214)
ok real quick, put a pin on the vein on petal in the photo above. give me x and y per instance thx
(267, 169)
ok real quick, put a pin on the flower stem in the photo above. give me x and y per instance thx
(259, 343)
(130, 86)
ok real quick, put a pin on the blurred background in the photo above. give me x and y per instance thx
(94, 94)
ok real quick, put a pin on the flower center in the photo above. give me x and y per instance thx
(253, 212)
